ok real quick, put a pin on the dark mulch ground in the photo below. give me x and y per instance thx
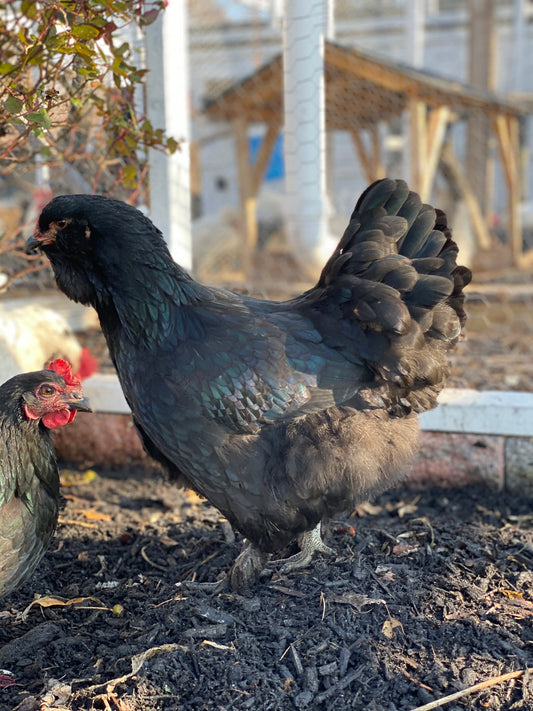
(431, 593)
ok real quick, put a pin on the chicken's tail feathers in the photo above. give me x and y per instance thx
(398, 262)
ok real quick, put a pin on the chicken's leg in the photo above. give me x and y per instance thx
(248, 566)
(310, 543)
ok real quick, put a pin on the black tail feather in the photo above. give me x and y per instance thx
(399, 260)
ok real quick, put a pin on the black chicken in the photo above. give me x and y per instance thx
(31, 405)
(281, 414)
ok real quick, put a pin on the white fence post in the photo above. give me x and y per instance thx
(167, 99)
(304, 28)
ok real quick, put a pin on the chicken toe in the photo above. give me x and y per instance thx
(310, 543)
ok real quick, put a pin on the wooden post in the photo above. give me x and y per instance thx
(507, 130)
(370, 156)
(362, 152)
(482, 76)
(438, 121)
(417, 141)
(265, 151)
(379, 168)
(247, 197)
(479, 224)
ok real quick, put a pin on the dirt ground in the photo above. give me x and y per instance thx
(431, 592)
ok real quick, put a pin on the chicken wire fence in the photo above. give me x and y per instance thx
(434, 92)
(437, 92)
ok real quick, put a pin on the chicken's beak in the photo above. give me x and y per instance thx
(32, 243)
(77, 401)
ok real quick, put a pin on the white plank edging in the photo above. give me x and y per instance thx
(491, 412)
(460, 410)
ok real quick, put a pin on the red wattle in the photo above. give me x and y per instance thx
(53, 420)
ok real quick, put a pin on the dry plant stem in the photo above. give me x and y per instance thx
(472, 690)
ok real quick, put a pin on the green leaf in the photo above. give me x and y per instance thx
(149, 16)
(59, 43)
(29, 8)
(119, 67)
(129, 176)
(90, 72)
(45, 151)
(22, 35)
(85, 32)
(78, 103)
(120, 51)
(13, 105)
(172, 144)
(6, 67)
(41, 118)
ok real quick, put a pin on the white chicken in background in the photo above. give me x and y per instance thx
(31, 336)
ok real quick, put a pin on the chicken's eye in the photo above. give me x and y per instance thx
(61, 223)
(46, 390)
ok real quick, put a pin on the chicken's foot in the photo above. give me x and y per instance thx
(213, 588)
(248, 566)
(310, 543)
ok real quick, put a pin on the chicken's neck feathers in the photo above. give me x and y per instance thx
(26, 458)
(149, 301)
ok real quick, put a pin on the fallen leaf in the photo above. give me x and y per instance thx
(57, 602)
(167, 541)
(389, 626)
(366, 509)
(385, 573)
(355, 600)
(513, 594)
(93, 515)
(406, 509)
(72, 478)
(401, 549)
(6, 679)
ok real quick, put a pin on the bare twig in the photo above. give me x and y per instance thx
(71, 522)
(151, 562)
(415, 681)
(472, 690)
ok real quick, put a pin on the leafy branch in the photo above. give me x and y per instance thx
(71, 95)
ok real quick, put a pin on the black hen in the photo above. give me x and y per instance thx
(281, 414)
(31, 405)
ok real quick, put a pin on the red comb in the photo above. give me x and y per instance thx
(63, 368)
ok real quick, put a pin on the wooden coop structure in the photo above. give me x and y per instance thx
(382, 91)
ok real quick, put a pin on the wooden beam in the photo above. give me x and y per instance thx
(417, 141)
(247, 199)
(479, 224)
(505, 145)
(362, 152)
(379, 167)
(263, 156)
(507, 132)
(436, 133)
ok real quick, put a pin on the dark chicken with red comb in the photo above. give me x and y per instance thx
(281, 414)
(31, 404)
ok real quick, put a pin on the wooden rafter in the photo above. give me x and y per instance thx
(436, 133)
(363, 91)
(506, 129)
(247, 198)
(479, 224)
(370, 156)
(263, 156)
(417, 141)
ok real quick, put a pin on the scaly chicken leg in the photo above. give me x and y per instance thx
(310, 543)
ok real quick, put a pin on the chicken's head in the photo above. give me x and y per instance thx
(56, 397)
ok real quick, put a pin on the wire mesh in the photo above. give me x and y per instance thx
(428, 91)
